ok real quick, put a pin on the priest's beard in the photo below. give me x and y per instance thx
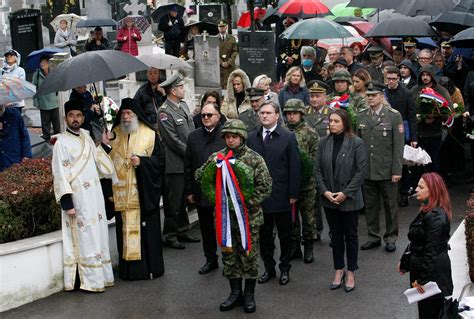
(131, 126)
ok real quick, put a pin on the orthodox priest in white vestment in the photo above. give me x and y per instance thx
(78, 164)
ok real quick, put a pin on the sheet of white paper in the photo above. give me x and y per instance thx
(431, 289)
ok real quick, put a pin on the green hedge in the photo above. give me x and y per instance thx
(27, 204)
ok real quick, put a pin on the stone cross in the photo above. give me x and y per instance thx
(204, 35)
(134, 7)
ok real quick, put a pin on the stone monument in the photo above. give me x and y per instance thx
(206, 65)
(257, 53)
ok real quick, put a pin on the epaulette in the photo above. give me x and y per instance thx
(363, 110)
(164, 106)
(393, 110)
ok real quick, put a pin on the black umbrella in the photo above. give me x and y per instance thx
(163, 10)
(414, 8)
(344, 20)
(89, 67)
(379, 4)
(459, 18)
(464, 39)
(401, 27)
(211, 28)
(270, 16)
(91, 23)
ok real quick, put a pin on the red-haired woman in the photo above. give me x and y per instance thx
(357, 48)
(429, 236)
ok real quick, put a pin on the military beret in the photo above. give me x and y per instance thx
(222, 23)
(173, 81)
(316, 86)
(254, 93)
(73, 105)
(374, 87)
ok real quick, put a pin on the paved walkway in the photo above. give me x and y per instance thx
(183, 293)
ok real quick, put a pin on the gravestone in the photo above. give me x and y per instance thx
(257, 53)
(210, 12)
(206, 56)
(26, 32)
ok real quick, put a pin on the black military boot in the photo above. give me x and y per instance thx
(249, 295)
(308, 251)
(295, 252)
(236, 297)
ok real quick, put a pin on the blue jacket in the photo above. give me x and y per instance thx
(283, 161)
(14, 139)
(285, 95)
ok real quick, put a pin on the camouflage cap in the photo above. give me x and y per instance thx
(235, 126)
(294, 105)
(342, 75)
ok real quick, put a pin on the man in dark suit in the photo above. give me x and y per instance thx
(279, 148)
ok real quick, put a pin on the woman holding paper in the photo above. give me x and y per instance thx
(429, 236)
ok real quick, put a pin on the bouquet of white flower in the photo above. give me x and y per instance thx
(110, 111)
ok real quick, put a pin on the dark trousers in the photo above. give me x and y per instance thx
(172, 48)
(176, 218)
(267, 245)
(343, 227)
(318, 214)
(48, 118)
(208, 232)
(430, 308)
(406, 182)
(432, 146)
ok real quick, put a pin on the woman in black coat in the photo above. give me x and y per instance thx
(429, 236)
(341, 164)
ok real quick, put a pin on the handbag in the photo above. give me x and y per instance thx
(405, 260)
(450, 309)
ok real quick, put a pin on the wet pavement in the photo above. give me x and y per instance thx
(183, 293)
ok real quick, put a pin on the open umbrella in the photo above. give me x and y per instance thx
(379, 4)
(270, 16)
(422, 43)
(464, 39)
(343, 10)
(33, 59)
(362, 27)
(244, 20)
(342, 20)
(210, 27)
(99, 22)
(162, 10)
(71, 18)
(316, 28)
(13, 89)
(384, 15)
(459, 18)
(339, 42)
(302, 9)
(414, 8)
(402, 27)
(89, 67)
(140, 22)
(164, 62)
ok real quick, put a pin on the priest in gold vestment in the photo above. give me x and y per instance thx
(139, 160)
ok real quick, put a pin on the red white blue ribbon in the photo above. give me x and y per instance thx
(341, 102)
(227, 186)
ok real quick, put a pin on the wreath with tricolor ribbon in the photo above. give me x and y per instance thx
(343, 102)
(432, 105)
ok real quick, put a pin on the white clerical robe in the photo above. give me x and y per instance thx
(77, 168)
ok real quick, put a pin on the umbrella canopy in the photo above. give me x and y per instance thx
(384, 15)
(211, 28)
(343, 10)
(244, 20)
(316, 28)
(88, 67)
(161, 11)
(139, 21)
(270, 16)
(100, 22)
(362, 27)
(302, 9)
(402, 27)
(379, 4)
(71, 18)
(33, 59)
(464, 39)
(459, 18)
(164, 62)
(414, 8)
(338, 43)
(13, 89)
(343, 20)
(423, 43)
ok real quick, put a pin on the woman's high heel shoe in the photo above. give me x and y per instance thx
(339, 285)
(348, 288)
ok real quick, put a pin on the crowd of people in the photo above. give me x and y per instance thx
(327, 139)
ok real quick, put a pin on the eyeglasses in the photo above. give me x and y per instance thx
(424, 58)
(392, 79)
(207, 115)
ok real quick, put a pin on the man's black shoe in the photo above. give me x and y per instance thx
(174, 244)
(284, 278)
(186, 238)
(266, 277)
(390, 248)
(208, 267)
(403, 201)
(370, 244)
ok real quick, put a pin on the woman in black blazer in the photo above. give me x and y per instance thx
(429, 236)
(341, 164)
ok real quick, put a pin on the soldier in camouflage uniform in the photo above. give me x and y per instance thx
(381, 128)
(342, 80)
(308, 141)
(317, 117)
(237, 263)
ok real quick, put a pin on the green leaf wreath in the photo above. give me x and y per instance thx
(243, 173)
(307, 168)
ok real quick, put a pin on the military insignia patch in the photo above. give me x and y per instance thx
(163, 117)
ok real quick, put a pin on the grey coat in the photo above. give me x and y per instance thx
(348, 175)
(175, 123)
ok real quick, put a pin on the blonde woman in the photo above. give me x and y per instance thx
(295, 87)
(236, 101)
(263, 82)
